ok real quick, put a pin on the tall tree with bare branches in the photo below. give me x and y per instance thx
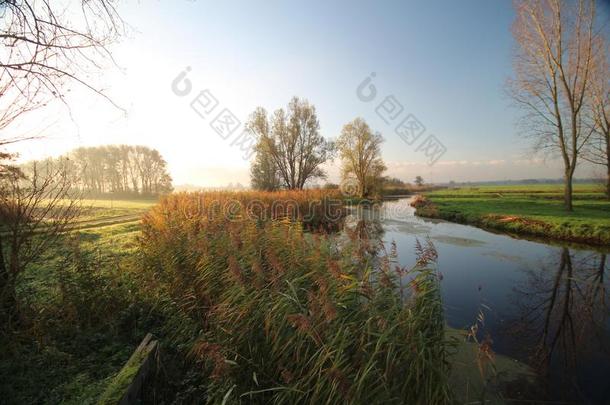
(599, 151)
(47, 46)
(556, 50)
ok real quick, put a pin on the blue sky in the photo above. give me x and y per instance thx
(446, 62)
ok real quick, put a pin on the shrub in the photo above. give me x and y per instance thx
(424, 207)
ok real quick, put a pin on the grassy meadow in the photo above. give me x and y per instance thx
(95, 213)
(534, 210)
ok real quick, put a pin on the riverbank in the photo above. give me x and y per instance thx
(532, 210)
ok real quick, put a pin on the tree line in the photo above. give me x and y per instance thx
(119, 169)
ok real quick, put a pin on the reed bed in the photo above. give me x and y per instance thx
(272, 313)
(320, 210)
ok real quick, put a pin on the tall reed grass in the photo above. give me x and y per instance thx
(275, 314)
(315, 209)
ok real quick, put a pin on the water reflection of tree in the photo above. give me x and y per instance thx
(364, 228)
(563, 312)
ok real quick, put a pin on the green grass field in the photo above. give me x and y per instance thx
(87, 319)
(98, 213)
(535, 210)
(106, 227)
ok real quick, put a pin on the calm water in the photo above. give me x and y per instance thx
(546, 305)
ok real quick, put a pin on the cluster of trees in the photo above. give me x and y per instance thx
(290, 150)
(562, 81)
(393, 182)
(118, 169)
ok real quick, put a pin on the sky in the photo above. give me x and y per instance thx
(443, 62)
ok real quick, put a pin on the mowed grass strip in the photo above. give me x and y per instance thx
(104, 209)
(93, 214)
(535, 210)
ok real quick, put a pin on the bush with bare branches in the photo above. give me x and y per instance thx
(36, 210)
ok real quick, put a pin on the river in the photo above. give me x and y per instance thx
(547, 305)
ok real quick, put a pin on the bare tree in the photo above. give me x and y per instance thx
(47, 46)
(599, 151)
(556, 48)
(36, 209)
(292, 140)
(360, 152)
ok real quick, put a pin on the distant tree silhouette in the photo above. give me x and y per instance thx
(118, 169)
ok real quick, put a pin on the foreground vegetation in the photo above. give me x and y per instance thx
(277, 315)
(81, 311)
(535, 210)
(249, 308)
